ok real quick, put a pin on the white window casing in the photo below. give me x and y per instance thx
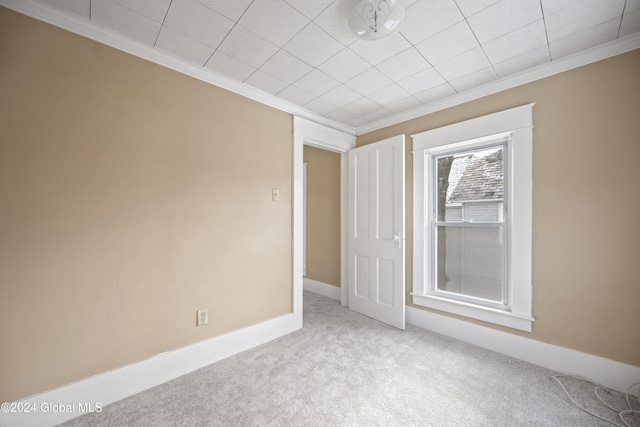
(516, 125)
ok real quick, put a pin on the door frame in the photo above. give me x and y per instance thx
(306, 132)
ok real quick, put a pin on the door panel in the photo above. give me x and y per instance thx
(376, 231)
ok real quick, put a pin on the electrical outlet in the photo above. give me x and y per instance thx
(202, 317)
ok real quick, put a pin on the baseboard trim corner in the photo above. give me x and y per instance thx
(94, 393)
(609, 373)
(323, 289)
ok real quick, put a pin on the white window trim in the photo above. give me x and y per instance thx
(518, 124)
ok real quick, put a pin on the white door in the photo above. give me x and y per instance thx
(376, 230)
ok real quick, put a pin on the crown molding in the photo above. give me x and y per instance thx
(586, 57)
(103, 35)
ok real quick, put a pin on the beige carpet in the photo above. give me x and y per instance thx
(344, 369)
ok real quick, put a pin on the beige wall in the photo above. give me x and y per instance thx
(323, 215)
(130, 197)
(586, 202)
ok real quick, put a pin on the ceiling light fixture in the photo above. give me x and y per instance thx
(375, 19)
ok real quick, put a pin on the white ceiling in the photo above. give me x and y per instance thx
(302, 51)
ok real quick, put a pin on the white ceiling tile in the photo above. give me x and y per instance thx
(320, 106)
(435, 93)
(197, 21)
(183, 46)
(369, 81)
(248, 47)
(404, 105)
(334, 21)
(313, 45)
(231, 9)
(310, 9)
(631, 5)
(357, 121)
(273, 20)
(630, 23)
(448, 43)
(125, 21)
(295, 95)
(339, 115)
(388, 95)
(477, 78)
(224, 64)
(341, 95)
(471, 7)
(344, 65)
(421, 81)
(553, 6)
(581, 16)
(361, 107)
(403, 64)
(317, 83)
(265, 82)
(77, 7)
(378, 114)
(428, 17)
(407, 3)
(593, 36)
(152, 9)
(517, 42)
(523, 62)
(504, 17)
(376, 51)
(286, 67)
(463, 64)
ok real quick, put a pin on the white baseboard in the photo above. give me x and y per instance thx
(67, 402)
(323, 289)
(609, 373)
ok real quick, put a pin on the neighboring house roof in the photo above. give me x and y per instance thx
(477, 177)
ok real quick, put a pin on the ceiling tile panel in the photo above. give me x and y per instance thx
(592, 36)
(421, 81)
(428, 17)
(320, 106)
(295, 95)
(227, 65)
(198, 22)
(248, 47)
(265, 82)
(77, 7)
(341, 95)
(182, 46)
(376, 51)
(477, 78)
(463, 64)
(448, 43)
(230, 9)
(361, 107)
(333, 20)
(553, 6)
(630, 23)
(344, 65)
(317, 83)
(313, 45)
(340, 115)
(388, 94)
(503, 17)
(273, 20)
(523, 62)
(404, 105)
(435, 93)
(403, 64)
(152, 9)
(125, 21)
(517, 42)
(631, 5)
(581, 16)
(286, 67)
(308, 8)
(471, 7)
(369, 81)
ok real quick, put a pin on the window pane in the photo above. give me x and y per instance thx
(470, 186)
(470, 261)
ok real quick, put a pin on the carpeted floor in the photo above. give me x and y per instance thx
(344, 369)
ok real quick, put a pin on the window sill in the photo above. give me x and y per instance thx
(486, 314)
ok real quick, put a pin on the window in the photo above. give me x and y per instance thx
(472, 218)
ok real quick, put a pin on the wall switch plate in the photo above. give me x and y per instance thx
(275, 194)
(202, 317)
